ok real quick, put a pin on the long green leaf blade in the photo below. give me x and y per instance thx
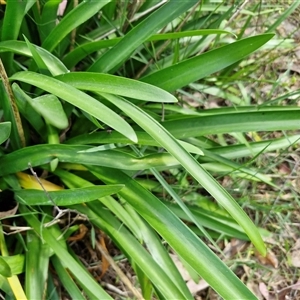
(78, 99)
(73, 19)
(48, 18)
(75, 56)
(5, 129)
(65, 197)
(195, 68)
(116, 85)
(125, 240)
(234, 122)
(51, 109)
(10, 28)
(81, 274)
(141, 230)
(178, 235)
(140, 33)
(37, 263)
(167, 141)
(44, 154)
(66, 279)
(54, 65)
(27, 111)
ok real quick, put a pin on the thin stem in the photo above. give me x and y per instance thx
(13, 104)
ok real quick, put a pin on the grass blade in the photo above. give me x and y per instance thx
(211, 220)
(48, 18)
(293, 6)
(13, 280)
(51, 109)
(37, 58)
(27, 111)
(54, 65)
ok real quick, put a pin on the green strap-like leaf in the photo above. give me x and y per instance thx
(15, 262)
(75, 56)
(139, 34)
(190, 70)
(66, 278)
(27, 111)
(4, 268)
(65, 197)
(37, 58)
(209, 219)
(73, 19)
(178, 235)
(51, 109)
(48, 18)
(44, 154)
(37, 264)
(166, 140)
(78, 99)
(141, 230)
(54, 65)
(212, 123)
(129, 244)
(116, 85)
(82, 276)
(10, 27)
(5, 128)
(234, 122)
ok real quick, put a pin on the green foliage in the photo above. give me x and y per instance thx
(93, 127)
(4, 131)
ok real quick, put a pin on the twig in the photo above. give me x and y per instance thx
(40, 183)
(120, 273)
(16, 229)
(114, 289)
(60, 212)
(239, 9)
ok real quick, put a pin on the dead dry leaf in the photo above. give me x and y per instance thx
(182, 270)
(194, 287)
(255, 289)
(105, 263)
(269, 259)
(295, 254)
(265, 292)
(8, 205)
(82, 232)
(235, 246)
